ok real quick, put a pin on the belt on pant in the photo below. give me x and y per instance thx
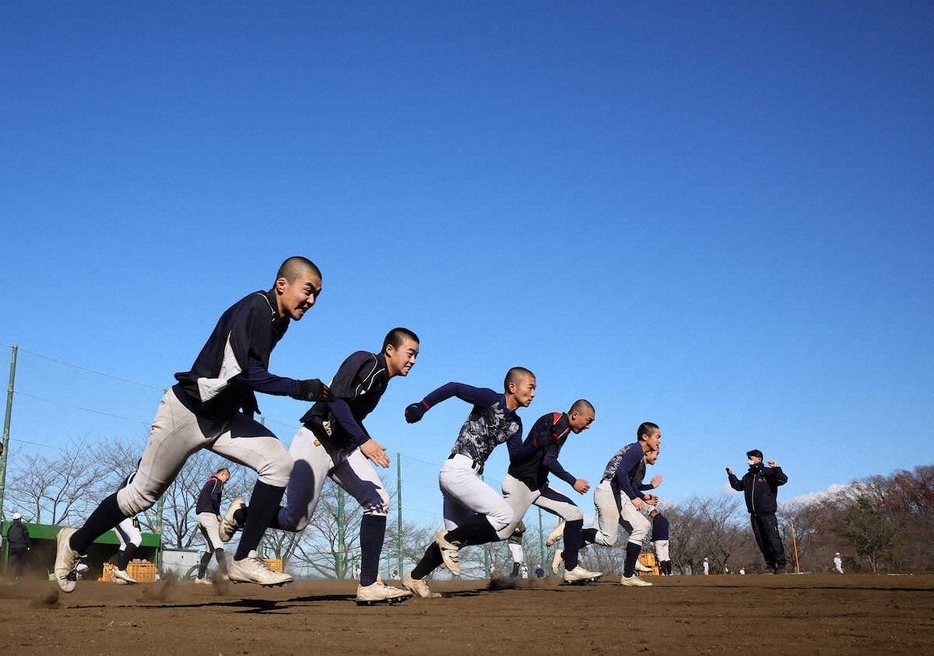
(476, 466)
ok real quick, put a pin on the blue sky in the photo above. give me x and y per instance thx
(714, 216)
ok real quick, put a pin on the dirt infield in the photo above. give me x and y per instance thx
(808, 614)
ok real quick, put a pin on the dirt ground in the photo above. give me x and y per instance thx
(763, 614)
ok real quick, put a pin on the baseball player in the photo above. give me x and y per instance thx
(130, 538)
(620, 497)
(208, 509)
(212, 407)
(514, 543)
(526, 483)
(333, 443)
(660, 534)
(473, 511)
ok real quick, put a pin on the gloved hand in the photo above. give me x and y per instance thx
(313, 390)
(415, 412)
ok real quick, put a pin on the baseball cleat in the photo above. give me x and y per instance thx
(121, 576)
(642, 568)
(581, 575)
(203, 582)
(66, 560)
(418, 587)
(449, 553)
(380, 593)
(254, 569)
(229, 525)
(555, 535)
(557, 561)
(633, 581)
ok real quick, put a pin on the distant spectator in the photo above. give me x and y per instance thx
(539, 572)
(514, 542)
(706, 567)
(837, 563)
(19, 544)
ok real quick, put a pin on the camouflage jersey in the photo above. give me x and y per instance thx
(626, 470)
(490, 422)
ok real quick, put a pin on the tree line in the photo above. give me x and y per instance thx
(883, 523)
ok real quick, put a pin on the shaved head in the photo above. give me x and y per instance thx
(516, 375)
(296, 266)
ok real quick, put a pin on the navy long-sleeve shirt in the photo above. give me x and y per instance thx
(356, 388)
(234, 362)
(659, 527)
(209, 499)
(626, 469)
(532, 460)
(760, 487)
(489, 424)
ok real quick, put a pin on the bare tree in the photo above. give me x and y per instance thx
(57, 490)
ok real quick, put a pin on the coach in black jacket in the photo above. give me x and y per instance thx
(19, 544)
(760, 487)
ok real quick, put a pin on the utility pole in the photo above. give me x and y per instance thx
(6, 425)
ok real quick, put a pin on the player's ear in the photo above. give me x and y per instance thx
(281, 284)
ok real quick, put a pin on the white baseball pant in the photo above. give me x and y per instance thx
(177, 433)
(520, 497)
(466, 495)
(613, 508)
(314, 462)
(210, 531)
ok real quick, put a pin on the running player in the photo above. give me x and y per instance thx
(473, 511)
(333, 443)
(514, 543)
(208, 509)
(620, 497)
(130, 538)
(211, 407)
(531, 461)
(660, 541)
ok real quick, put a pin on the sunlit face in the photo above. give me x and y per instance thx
(580, 421)
(523, 391)
(651, 457)
(296, 297)
(224, 476)
(653, 439)
(400, 359)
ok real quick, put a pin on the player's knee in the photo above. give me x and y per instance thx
(288, 521)
(501, 518)
(574, 514)
(133, 500)
(378, 504)
(277, 470)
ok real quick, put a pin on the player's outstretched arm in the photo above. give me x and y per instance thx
(475, 395)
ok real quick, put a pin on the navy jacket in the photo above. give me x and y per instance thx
(18, 537)
(760, 487)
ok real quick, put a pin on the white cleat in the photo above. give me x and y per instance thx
(633, 581)
(579, 574)
(380, 593)
(555, 535)
(419, 587)
(449, 553)
(254, 569)
(642, 568)
(229, 525)
(557, 561)
(121, 576)
(66, 560)
(203, 582)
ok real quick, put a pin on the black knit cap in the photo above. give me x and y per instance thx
(755, 453)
